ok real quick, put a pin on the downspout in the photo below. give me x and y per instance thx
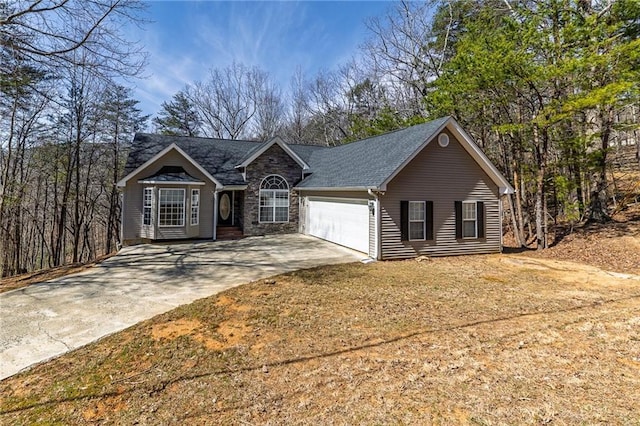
(377, 223)
(500, 214)
(119, 246)
(215, 212)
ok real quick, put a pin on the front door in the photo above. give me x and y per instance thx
(225, 208)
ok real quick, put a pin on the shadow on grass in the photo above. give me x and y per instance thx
(158, 387)
(516, 250)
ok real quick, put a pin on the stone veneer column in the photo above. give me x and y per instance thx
(274, 161)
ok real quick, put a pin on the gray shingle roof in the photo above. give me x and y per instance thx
(217, 156)
(369, 162)
(366, 163)
(175, 174)
(249, 153)
(306, 151)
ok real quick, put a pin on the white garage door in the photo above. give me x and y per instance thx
(342, 221)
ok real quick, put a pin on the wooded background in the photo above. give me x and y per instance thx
(549, 89)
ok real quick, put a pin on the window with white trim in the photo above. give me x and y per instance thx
(195, 206)
(417, 220)
(147, 205)
(171, 207)
(469, 219)
(274, 199)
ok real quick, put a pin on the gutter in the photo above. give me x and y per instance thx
(337, 189)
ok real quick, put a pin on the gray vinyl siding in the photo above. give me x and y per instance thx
(303, 207)
(132, 213)
(133, 230)
(441, 175)
(372, 234)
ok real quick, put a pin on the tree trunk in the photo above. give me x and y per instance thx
(545, 222)
(514, 223)
(59, 233)
(112, 220)
(541, 149)
(518, 206)
(540, 243)
(77, 199)
(598, 207)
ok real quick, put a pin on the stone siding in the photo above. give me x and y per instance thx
(274, 161)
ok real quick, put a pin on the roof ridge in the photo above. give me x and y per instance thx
(444, 118)
(306, 144)
(194, 137)
(413, 126)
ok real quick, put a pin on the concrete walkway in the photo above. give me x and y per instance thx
(49, 319)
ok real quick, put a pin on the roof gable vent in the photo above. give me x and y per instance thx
(443, 140)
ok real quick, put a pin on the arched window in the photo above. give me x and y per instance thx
(274, 199)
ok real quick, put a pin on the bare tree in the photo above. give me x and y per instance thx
(77, 125)
(238, 102)
(224, 101)
(328, 107)
(22, 106)
(399, 49)
(56, 56)
(47, 32)
(270, 113)
(298, 116)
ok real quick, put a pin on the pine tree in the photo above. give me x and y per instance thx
(178, 117)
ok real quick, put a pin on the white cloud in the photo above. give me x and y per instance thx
(190, 38)
(167, 73)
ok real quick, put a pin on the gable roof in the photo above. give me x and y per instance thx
(371, 163)
(254, 153)
(366, 164)
(216, 157)
(143, 154)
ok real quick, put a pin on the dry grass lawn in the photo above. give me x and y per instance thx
(470, 340)
(614, 246)
(42, 275)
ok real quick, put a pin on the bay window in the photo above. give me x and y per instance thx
(171, 207)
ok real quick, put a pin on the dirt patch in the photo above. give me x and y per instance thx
(227, 333)
(468, 340)
(590, 278)
(100, 409)
(224, 301)
(233, 331)
(229, 303)
(174, 329)
(231, 334)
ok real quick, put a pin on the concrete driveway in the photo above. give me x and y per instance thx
(48, 319)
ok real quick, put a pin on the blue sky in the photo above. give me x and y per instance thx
(185, 39)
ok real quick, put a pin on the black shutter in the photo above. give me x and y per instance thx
(404, 220)
(429, 219)
(480, 217)
(458, 205)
